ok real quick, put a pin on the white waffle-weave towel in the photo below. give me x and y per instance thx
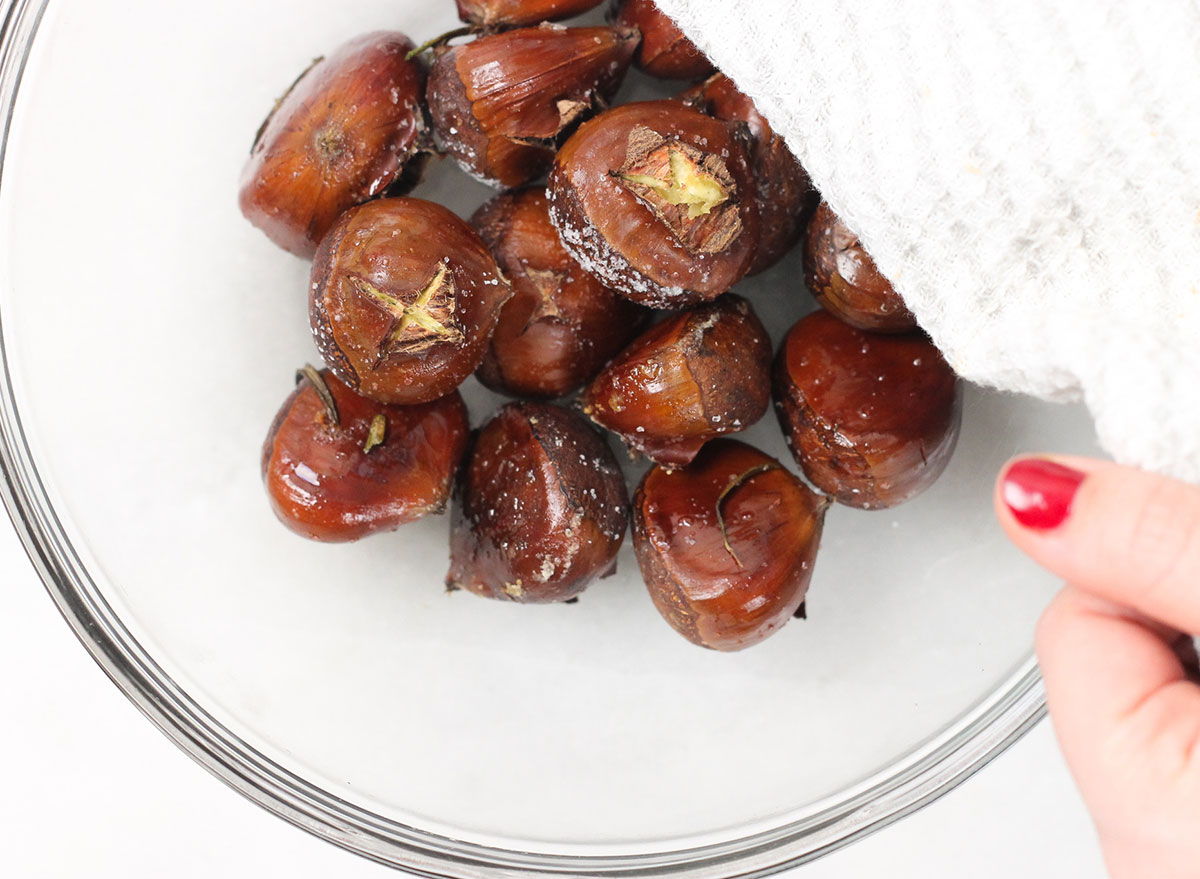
(1026, 173)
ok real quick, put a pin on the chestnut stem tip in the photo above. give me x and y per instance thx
(439, 40)
(314, 377)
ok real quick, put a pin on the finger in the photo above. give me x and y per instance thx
(1124, 535)
(1121, 703)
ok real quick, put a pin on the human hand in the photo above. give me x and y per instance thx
(1119, 672)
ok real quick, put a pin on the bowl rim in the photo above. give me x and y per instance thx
(919, 778)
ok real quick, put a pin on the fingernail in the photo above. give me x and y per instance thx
(1040, 492)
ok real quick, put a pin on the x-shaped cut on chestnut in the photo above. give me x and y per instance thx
(690, 190)
(419, 324)
(547, 283)
(685, 183)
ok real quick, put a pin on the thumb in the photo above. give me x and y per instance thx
(1120, 534)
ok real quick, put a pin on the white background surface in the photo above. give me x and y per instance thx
(92, 788)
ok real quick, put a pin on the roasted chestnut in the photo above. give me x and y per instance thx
(665, 52)
(562, 324)
(500, 103)
(540, 509)
(351, 128)
(843, 277)
(696, 375)
(727, 544)
(404, 299)
(494, 14)
(784, 191)
(657, 200)
(872, 419)
(338, 466)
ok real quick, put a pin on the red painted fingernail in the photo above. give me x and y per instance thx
(1040, 492)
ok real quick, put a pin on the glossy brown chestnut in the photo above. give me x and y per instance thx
(562, 325)
(665, 52)
(350, 129)
(872, 419)
(695, 376)
(338, 466)
(500, 103)
(404, 299)
(727, 544)
(844, 279)
(783, 189)
(540, 509)
(493, 14)
(657, 200)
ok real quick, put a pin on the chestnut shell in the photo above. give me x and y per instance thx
(540, 510)
(785, 192)
(350, 129)
(500, 103)
(843, 278)
(727, 544)
(872, 419)
(665, 52)
(562, 325)
(620, 237)
(377, 261)
(493, 14)
(324, 486)
(692, 377)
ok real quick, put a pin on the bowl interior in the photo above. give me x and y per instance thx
(151, 334)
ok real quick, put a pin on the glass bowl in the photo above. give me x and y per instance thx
(148, 336)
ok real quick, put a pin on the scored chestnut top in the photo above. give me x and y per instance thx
(562, 325)
(872, 419)
(540, 510)
(694, 376)
(371, 468)
(350, 129)
(727, 544)
(844, 279)
(657, 200)
(404, 299)
(518, 13)
(500, 102)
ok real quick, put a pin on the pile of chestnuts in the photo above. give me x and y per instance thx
(594, 289)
